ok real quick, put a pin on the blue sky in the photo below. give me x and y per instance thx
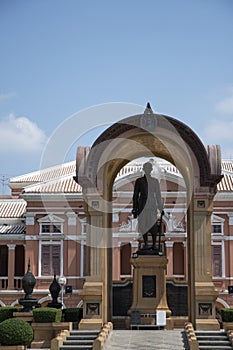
(60, 57)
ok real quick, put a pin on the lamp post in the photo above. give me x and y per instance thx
(62, 282)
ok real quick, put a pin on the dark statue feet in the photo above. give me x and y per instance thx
(149, 250)
(145, 246)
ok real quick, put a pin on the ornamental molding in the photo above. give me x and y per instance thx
(51, 218)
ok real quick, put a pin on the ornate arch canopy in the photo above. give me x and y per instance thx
(147, 135)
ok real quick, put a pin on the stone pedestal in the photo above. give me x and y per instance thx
(45, 332)
(92, 305)
(149, 286)
(26, 316)
(206, 296)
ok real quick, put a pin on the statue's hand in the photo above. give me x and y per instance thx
(135, 213)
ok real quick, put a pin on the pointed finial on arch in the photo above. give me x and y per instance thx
(148, 109)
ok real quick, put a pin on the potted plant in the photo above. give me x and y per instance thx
(46, 324)
(73, 315)
(7, 312)
(227, 318)
(15, 334)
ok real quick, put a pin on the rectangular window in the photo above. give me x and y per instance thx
(50, 259)
(217, 260)
(51, 228)
(217, 228)
(56, 228)
(45, 228)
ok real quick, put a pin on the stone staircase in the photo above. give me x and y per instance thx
(80, 340)
(213, 340)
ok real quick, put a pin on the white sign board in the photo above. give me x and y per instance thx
(160, 318)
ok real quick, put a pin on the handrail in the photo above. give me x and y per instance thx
(192, 339)
(230, 336)
(4, 283)
(101, 341)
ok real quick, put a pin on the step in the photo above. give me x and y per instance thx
(211, 333)
(74, 332)
(81, 337)
(78, 342)
(215, 337)
(74, 347)
(214, 343)
(206, 347)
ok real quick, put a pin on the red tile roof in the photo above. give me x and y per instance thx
(46, 174)
(12, 208)
(65, 184)
(12, 229)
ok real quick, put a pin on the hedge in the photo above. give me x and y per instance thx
(7, 312)
(47, 315)
(15, 331)
(227, 315)
(74, 314)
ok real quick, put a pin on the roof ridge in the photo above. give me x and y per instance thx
(41, 183)
(12, 200)
(41, 171)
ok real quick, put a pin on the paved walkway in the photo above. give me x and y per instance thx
(147, 340)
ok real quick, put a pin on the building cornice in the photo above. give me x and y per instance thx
(12, 237)
(52, 197)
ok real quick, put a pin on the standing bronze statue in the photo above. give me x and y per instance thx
(146, 203)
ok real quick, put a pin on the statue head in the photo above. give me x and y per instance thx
(147, 167)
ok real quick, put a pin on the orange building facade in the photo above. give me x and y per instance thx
(45, 220)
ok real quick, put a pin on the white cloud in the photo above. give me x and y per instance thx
(20, 135)
(225, 106)
(6, 96)
(219, 132)
(227, 152)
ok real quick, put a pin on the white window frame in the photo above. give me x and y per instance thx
(83, 222)
(222, 258)
(51, 220)
(217, 220)
(115, 216)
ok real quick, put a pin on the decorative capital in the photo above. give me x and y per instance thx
(11, 246)
(169, 244)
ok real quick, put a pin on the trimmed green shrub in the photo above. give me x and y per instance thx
(74, 314)
(47, 315)
(15, 331)
(227, 315)
(7, 312)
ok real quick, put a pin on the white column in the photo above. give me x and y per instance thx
(185, 260)
(223, 260)
(169, 253)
